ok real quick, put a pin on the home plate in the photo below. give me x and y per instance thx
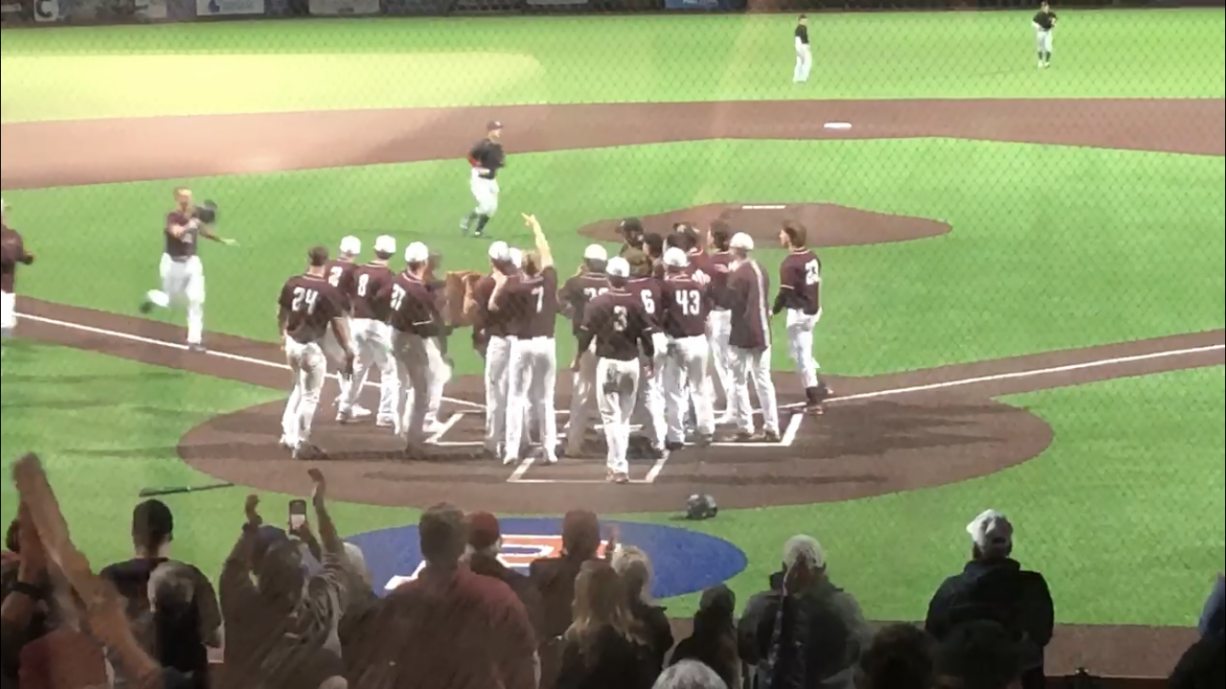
(838, 125)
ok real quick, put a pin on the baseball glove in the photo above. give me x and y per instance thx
(207, 212)
(460, 285)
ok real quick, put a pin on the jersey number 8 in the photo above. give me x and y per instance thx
(363, 284)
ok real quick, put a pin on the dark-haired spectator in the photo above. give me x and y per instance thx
(634, 567)
(900, 657)
(449, 628)
(1203, 666)
(690, 674)
(152, 535)
(993, 586)
(282, 629)
(605, 647)
(714, 639)
(809, 633)
(484, 549)
(26, 594)
(1213, 619)
(555, 576)
(979, 655)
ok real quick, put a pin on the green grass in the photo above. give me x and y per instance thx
(1052, 247)
(1105, 512)
(72, 73)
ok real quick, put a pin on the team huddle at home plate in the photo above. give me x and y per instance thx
(659, 328)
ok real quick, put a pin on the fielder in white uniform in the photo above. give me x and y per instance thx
(686, 303)
(181, 271)
(308, 307)
(800, 295)
(372, 337)
(485, 159)
(750, 338)
(492, 338)
(1044, 27)
(804, 52)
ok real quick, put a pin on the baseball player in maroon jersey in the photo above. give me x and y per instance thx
(416, 325)
(372, 337)
(620, 328)
(800, 294)
(750, 340)
(577, 293)
(438, 290)
(309, 306)
(719, 323)
(181, 271)
(686, 304)
(339, 273)
(12, 252)
(646, 286)
(531, 298)
(492, 338)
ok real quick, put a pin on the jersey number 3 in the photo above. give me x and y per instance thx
(304, 300)
(621, 319)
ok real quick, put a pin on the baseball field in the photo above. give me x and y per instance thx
(1024, 290)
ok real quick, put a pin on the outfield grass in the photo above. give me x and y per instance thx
(260, 66)
(1052, 247)
(1104, 512)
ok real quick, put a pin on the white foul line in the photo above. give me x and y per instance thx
(447, 426)
(182, 347)
(518, 475)
(657, 467)
(1030, 373)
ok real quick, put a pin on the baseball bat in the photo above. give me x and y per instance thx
(157, 492)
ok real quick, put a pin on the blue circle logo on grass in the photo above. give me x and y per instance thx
(684, 561)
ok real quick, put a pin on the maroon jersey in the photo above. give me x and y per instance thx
(719, 278)
(748, 286)
(412, 308)
(619, 323)
(579, 291)
(184, 246)
(700, 267)
(366, 284)
(686, 306)
(648, 292)
(12, 252)
(532, 303)
(800, 282)
(340, 276)
(491, 323)
(310, 303)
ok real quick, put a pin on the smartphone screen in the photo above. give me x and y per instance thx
(297, 513)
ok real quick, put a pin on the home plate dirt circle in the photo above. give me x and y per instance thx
(857, 449)
(828, 224)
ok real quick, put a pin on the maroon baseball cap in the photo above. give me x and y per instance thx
(493, 125)
(483, 530)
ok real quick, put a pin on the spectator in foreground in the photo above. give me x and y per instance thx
(993, 586)
(1203, 666)
(605, 647)
(283, 629)
(555, 577)
(359, 616)
(690, 674)
(634, 567)
(449, 628)
(900, 657)
(979, 655)
(172, 630)
(1213, 620)
(810, 633)
(484, 549)
(714, 640)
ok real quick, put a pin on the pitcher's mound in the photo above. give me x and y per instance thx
(828, 224)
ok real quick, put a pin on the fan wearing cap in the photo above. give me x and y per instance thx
(339, 273)
(620, 329)
(12, 252)
(576, 294)
(750, 340)
(372, 341)
(492, 337)
(485, 558)
(685, 305)
(486, 158)
(994, 587)
(416, 323)
(309, 307)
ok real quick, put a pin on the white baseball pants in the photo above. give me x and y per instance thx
(1043, 40)
(182, 282)
(719, 329)
(617, 389)
(436, 387)
(485, 192)
(800, 327)
(372, 345)
(417, 364)
(753, 365)
(804, 63)
(309, 367)
(497, 360)
(336, 357)
(533, 378)
(8, 311)
(686, 371)
(583, 394)
(651, 394)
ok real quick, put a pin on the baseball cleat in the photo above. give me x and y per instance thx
(384, 422)
(435, 428)
(551, 458)
(196, 347)
(704, 440)
(745, 437)
(360, 412)
(286, 443)
(307, 452)
(772, 437)
(815, 408)
(620, 478)
(674, 445)
(509, 460)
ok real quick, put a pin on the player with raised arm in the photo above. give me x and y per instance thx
(485, 158)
